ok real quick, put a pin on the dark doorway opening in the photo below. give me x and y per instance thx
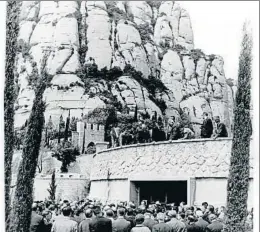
(163, 191)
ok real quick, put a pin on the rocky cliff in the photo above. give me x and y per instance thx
(90, 44)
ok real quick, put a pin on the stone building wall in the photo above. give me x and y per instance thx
(203, 163)
(70, 186)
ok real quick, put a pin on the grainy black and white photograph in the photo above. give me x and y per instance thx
(130, 116)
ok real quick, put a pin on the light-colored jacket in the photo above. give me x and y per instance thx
(140, 228)
(64, 224)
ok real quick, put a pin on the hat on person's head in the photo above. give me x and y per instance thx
(161, 216)
(157, 203)
(199, 213)
(106, 208)
(172, 213)
(212, 217)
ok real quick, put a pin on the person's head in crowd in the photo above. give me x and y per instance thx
(192, 208)
(182, 216)
(188, 213)
(51, 207)
(132, 205)
(88, 213)
(222, 209)
(34, 207)
(204, 206)
(130, 212)
(160, 217)
(191, 219)
(205, 115)
(217, 119)
(66, 211)
(121, 212)
(107, 207)
(180, 209)
(138, 211)
(212, 217)
(143, 203)
(110, 213)
(47, 214)
(97, 211)
(114, 210)
(139, 219)
(172, 214)
(147, 215)
(39, 209)
(150, 211)
(211, 209)
(199, 214)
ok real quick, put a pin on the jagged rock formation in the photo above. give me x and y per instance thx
(155, 38)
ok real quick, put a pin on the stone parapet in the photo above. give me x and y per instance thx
(196, 158)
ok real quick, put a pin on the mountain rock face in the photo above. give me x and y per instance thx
(155, 38)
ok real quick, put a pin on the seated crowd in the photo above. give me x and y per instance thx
(92, 216)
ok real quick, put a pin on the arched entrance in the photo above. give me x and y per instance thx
(91, 148)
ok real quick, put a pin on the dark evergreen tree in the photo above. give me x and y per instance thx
(53, 187)
(136, 114)
(67, 154)
(84, 136)
(238, 180)
(20, 217)
(66, 133)
(12, 29)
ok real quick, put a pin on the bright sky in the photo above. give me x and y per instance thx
(217, 27)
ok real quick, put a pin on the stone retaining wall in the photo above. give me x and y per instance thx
(183, 158)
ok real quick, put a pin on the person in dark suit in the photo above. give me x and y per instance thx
(174, 223)
(37, 221)
(121, 224)
(215, 225)
(191, 226)
(100, 223)
(84, 225)
(161, 226)
(206, 127)
(201, 223)
(221, 130)
(148, 221)
(130, 217)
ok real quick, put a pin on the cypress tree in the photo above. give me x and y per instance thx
(23, 198)
(238, 180)
(66, 133)
(136, 114)
(53, 187)
(12, 29)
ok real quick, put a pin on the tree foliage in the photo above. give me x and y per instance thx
(65, 153)
(238, 180)
(23, 198)
(12, 29)
(52, 187)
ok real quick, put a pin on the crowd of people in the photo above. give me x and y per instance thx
(154, 129)
(93, 216)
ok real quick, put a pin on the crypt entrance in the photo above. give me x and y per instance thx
(165, 191)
